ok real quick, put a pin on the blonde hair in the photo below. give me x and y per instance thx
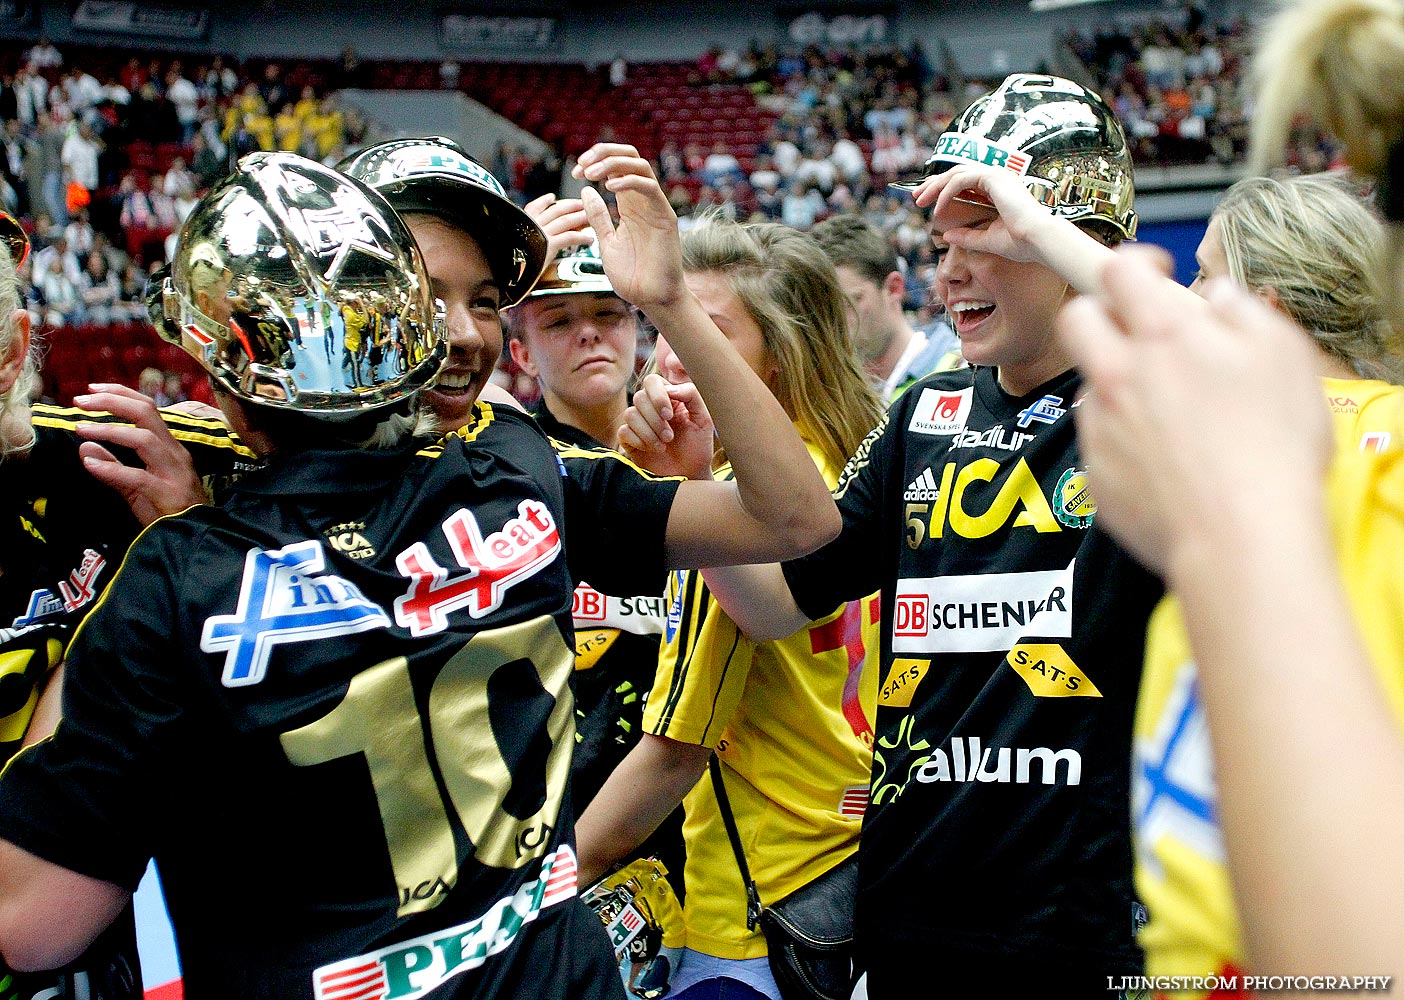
(1334, 59)
(789, 287)
(1313, 240)
(16, 431)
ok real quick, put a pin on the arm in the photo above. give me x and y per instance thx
(778, 506)
(1024, 229)
(47, 711)
(48, 914)
(643, 790)
(1304, 835)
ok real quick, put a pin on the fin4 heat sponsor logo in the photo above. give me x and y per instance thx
(968, 760)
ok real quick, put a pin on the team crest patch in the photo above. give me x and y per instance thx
(285, 597)
(350, 540)
(1073, 505)
(941, 412)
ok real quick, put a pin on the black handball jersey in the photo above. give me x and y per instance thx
(337, 712)
(996, 834)
(62, 536)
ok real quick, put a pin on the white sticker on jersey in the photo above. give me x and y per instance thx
(285, 597)
(639, 615)
(941, 411)
(988, 612)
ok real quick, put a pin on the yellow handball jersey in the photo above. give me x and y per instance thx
(1180, 868)
(791, 722)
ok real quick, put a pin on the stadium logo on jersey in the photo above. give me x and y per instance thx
(941, 412)
(1376, 441)
(995, 437)
(1046, 411)
(1172, 778)
(415, 967)
(1050, 672)
(521, 548)
(349, 539)
(986, 612)
(923, 487)
(285, 597)
(1343, 404)
(969, 761)
(639, 615)
(957, 147)
(1072, 500)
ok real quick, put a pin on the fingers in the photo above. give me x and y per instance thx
(600, 151)
(1097, 347)
(104, 467)
(536, 206)
(195, 408)
(653, 410)
(1141, 299)
(598, 213)
(686, 397)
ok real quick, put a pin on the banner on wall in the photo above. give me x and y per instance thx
(854, 24)
(124, 18)
(496, 32)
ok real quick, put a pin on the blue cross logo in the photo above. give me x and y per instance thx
(284, 599)
(1046, 411)
(1172, 777)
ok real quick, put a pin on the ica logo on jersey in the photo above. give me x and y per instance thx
(1018, 503)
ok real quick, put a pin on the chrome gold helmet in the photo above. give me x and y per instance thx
(574, 269)
(1060, 137)
(434, 175)
(298, 288)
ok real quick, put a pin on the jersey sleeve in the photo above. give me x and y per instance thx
(851, 565)
(703, 665)
(215, 450)
(616, 520)
(83, 798)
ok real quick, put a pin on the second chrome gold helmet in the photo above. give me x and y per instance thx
(1060, 137)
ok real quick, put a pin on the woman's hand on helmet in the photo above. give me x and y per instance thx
(642, 253)
(563, 220)
(668, 430)
(1011, 234)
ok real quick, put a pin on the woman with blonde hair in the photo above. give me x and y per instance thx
(1289, 663)
(788, 719)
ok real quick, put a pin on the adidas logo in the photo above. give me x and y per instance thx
(923, 487)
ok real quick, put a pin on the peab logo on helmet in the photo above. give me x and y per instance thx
(420, 160)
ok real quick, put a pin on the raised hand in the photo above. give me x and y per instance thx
(1010, 234)
(1201, 417)
(668, 430)
(563, 221)
(168, 483)
(642, 253)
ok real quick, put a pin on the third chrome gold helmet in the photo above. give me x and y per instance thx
(1060, 137)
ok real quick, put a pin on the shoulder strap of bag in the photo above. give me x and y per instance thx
(753, 903)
